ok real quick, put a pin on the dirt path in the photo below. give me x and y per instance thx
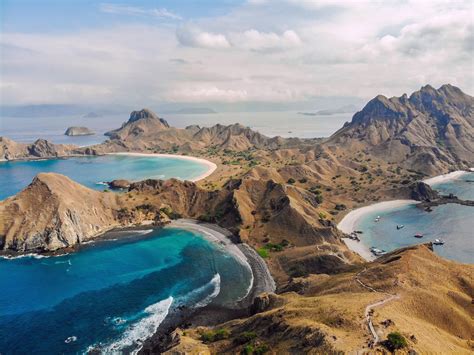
(369, 309)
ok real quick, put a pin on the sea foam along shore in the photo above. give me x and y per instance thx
(261, 281)
(349, 223)
(446, 177)
(209, 164)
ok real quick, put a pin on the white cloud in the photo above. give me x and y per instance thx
(138, 11)
(193, 37)
(279, 51)
(255, 40)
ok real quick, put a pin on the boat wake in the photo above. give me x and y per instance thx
(133, 337)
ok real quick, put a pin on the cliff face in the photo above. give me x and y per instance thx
(428, 131)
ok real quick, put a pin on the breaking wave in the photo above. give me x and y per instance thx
(138, 332)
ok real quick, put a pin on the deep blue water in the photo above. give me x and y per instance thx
(452, 223)
(89, 171)
(112, 293)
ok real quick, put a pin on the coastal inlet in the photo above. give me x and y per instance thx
(113, 294)
(453, 224)
(93, 171)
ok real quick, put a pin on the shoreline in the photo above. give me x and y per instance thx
(210, 165)
(211, 314)
(454, 175)
(348, 224)
(262, 281)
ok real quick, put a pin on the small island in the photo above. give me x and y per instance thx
(79, 131)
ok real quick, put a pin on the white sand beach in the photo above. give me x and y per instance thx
(210, 165)
(445, 177)
(349, 222)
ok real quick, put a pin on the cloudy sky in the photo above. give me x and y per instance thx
(230, 51)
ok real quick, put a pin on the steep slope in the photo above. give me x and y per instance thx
(429, 131)
(54, 212)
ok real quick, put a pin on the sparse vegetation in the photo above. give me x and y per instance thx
(396, 341)
(263, 252)
(214, 335)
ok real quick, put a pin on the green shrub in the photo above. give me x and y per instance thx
(245, 337)
(261, 349)
(291, 181)
(214, 335)
(263, 253)
(303, 180)
(396, 341)
(248, 350)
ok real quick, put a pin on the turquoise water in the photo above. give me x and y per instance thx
(113, 293)
(452, 223)
(89, 171)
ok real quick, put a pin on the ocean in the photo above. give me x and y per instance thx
(93, 171)
(277, 123)
(453, 223)
(112, 294)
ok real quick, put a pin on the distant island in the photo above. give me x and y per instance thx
(328, 112)
(79, 131)
(91, 115)
(192, 111)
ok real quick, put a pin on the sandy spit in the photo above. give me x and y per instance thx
(210, 165)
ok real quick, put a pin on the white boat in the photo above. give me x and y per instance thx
(438, 242)
(400, 226)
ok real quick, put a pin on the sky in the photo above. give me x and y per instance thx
(229, 52)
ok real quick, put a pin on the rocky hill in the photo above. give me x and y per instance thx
(146, 131)
(41, 148)
(54, 212)
(256, 210)
(428, 131)
(410, 291)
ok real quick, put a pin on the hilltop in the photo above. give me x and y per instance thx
(427, 131)
(322, 313)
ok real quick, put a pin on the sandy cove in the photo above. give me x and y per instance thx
(209, 315)
(349, 222)
(262, 280)
(210, 165)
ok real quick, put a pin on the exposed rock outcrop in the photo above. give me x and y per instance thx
(429, 131)
(423, 192)
(79, 131)
(146, 131)
(41, 148)
(54, 212)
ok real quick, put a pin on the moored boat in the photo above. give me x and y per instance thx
(418, 235)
